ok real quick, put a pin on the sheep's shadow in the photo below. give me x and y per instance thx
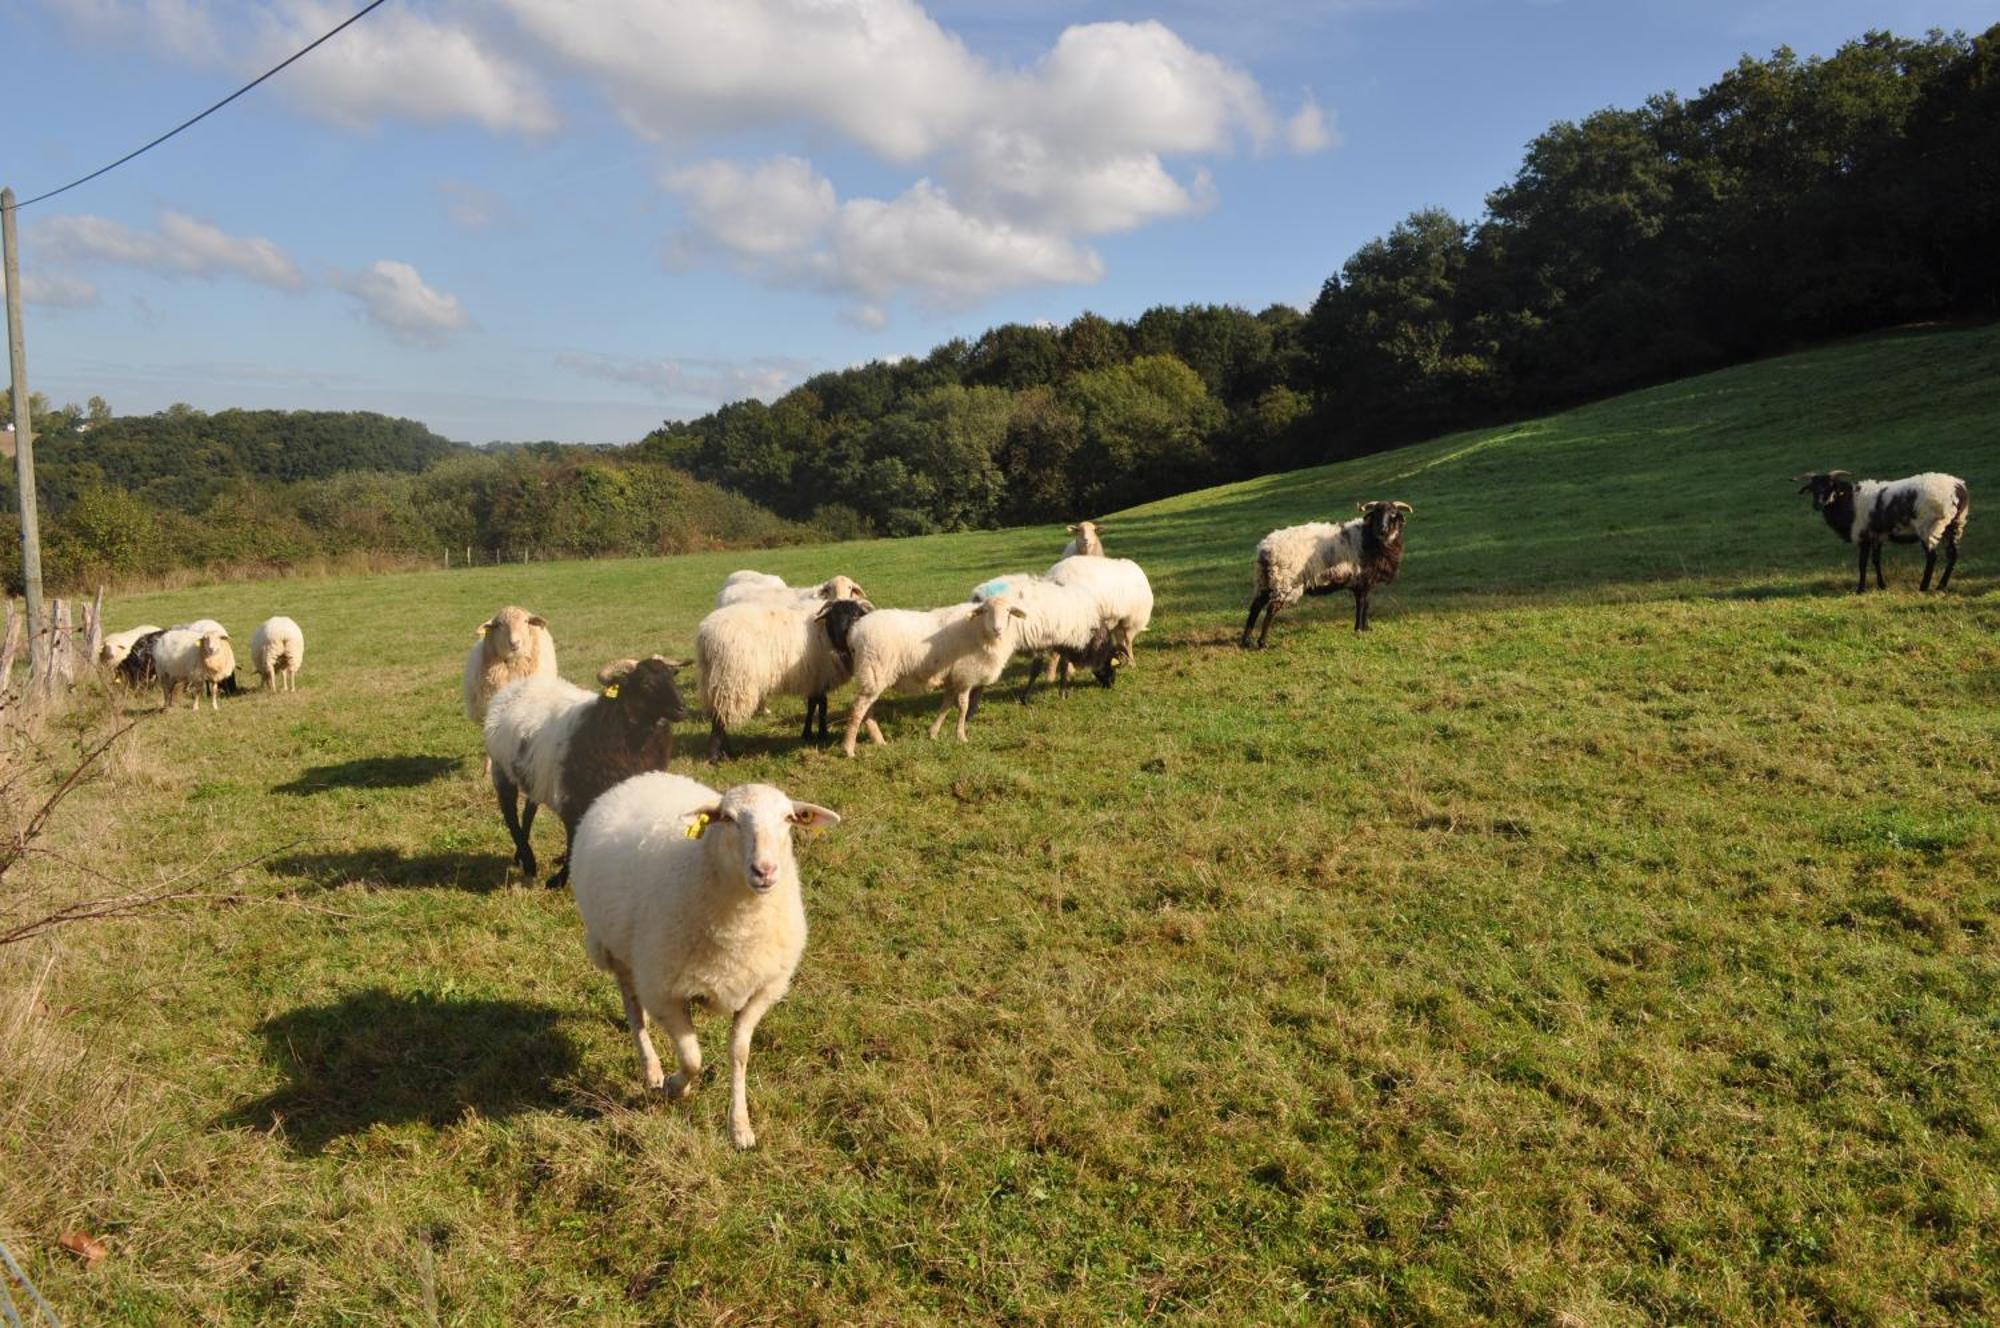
(387, 867)
(370, 772)
(379, 1058)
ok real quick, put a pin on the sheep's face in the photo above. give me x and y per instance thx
(996, 616)
(1827, 489)
(644, 691)
(840, 588)
(753, 823)
(1384, 520)
(214, 645)
(513, 632)
(1100, 658)
(837, 619)
(1087, 540)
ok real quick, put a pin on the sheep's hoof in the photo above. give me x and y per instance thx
(656, 1079)
(743, 1136)
(676, 1087)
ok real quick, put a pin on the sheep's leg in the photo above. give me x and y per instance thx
(962, 708)
(715, 749)
(1256, 607)
(1270, 612)
(561, 879)
(978, 695)
(1880, 584)
(944, 712)
(812, 703)
(635, 1018)
(863, 703)
(1861, 586)
(1361, 608)
(524, 853)
(678, 1019)
(1950, 558)
(1930, 561)
(1035, 674)
(740, 1031)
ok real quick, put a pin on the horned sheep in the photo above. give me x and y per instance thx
(1929, 509)
(692, 895)
(560, 746)
(752, 650)
(1323, 556)
(959, 648)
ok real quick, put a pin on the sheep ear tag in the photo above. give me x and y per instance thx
(698, 825)
(611, 692)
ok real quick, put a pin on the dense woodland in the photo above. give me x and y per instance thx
(1789, 202)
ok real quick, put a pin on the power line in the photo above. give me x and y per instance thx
(296, 55)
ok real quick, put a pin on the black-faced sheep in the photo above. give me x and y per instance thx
(1928, 509)
(752, 650)
(559, 745)
(1321, 557)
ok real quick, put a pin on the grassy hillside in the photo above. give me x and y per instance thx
(1609, 937)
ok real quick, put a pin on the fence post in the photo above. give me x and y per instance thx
(10, 645)
(93, 631)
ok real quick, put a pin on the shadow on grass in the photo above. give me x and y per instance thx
(378, 1058)
(390, 868)
(370, 772)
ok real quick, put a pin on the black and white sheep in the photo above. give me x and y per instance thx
(755, 649)
(1321, 557)
(691, 895)
(559, 746)
(1928, 509)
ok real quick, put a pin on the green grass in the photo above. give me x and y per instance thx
(1609, 937)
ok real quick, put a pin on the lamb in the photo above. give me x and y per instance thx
(199, 663)
(692, 895)
(1930, 509)
(959, 648)
(743, 586)
(511, 645)
(1124, 595)
(1062, 622)
(277, 652)
(118, 646)
(1322, 556)
(559, 745)
(1086, 540)
(756, 649)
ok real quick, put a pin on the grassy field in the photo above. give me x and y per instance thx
(1609, 937)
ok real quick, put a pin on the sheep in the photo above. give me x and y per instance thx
(959, 648)
(199, 663)
(137, 668)
(743, 586)
(277, 652)
(692, 895)
(1930, 509)
(199, 626)
(118, 646)
(1323, 556)
(559, 746)
(756, 649)
(1086, 540)
(511, 645)
(1062, 622)
(1124, 595)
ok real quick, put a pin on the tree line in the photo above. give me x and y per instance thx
(1788, 202)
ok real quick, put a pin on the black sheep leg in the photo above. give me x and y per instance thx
(1361, 608)
(561, 878)
(715, 751)
(1256, 607)
(1270, 612)
(1880, 584)
(517, 824)
(1861, 585)
(1950, 558)
(1034, 672)
(1930, 561)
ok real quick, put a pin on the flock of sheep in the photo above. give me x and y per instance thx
(689, 895)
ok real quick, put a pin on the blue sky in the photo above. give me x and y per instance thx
(571, 219)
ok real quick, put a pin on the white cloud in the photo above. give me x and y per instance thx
(183, 246)
(396, 297)
(774, 209)
(1311, 129)
(921, 242)
(54, 290)
(711, 382)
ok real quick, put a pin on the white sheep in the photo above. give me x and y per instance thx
(692, 895)
(1086, 540)
(118, 645)
(1928, 509)
(1063, 622)
(1124, 595)
(200, 663)
(278, 652)
(748, 652)
(511, 645)
(745, 586)
(959, 648)
(1321, 557)
(199, 626)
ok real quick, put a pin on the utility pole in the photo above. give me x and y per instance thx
(24, 444)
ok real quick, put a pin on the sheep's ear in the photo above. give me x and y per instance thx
(1070, 529)
(1361, 507)
(813, 816)
(479, 632)
(698, 821)
(673, 664)
(537, 620)
(1017, 612)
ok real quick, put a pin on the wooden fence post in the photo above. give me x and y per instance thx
(10, 645)
(93, 632)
